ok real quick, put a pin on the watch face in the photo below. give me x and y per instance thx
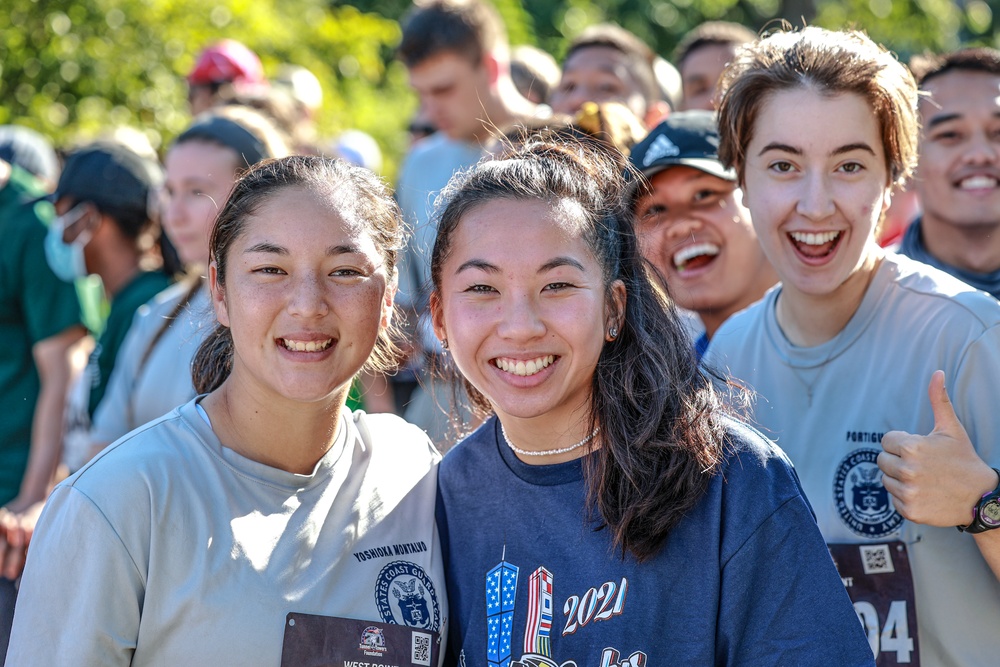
(990, 513)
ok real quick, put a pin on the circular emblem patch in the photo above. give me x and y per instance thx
(372, 639)
(405, 596)
(861, 500)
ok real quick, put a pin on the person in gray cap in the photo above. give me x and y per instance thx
(106, 212)
(31, 151)
(692, 224)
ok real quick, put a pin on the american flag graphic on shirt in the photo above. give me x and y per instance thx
(501, 584)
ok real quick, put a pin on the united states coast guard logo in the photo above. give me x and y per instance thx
(405, 596)
(862, 502)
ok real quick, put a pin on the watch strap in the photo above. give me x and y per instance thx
(978, 525)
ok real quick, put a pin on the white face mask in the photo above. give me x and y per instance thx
(66, 259)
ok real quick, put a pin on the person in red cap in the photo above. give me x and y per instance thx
(225, 63)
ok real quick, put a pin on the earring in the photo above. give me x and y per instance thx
(444, 343)
(613, 333)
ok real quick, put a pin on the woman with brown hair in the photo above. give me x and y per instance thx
(820, 126)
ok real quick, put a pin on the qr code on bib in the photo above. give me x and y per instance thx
(421, 653)
(876, 558)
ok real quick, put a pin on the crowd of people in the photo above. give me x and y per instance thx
(640, 361)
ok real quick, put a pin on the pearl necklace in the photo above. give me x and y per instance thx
(546, 452)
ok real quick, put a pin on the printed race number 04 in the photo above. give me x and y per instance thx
(878, 579)
(894, 635)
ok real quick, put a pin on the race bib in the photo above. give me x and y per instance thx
(878, 581)
(327, 641)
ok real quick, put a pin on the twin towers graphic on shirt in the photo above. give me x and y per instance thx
(600, 603)
(501, 584)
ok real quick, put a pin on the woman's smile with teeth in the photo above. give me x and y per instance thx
(814, 239)
(521, 367)
(306, 346)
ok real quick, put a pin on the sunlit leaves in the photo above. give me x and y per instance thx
(74, 68)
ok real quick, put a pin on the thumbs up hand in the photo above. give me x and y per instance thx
(935, 479)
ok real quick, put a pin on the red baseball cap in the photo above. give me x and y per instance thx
(227, 61)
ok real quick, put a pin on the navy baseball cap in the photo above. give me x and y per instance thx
(111, 175)
(688, 138)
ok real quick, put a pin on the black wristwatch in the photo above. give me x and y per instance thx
(986, 513)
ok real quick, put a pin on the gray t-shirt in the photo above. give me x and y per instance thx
(828, 406)
(424, 173)
(170, 549)
(148, 383)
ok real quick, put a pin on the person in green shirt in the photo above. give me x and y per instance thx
(107, 216)
(39, 324)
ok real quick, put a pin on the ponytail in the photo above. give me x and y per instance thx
(213, 361)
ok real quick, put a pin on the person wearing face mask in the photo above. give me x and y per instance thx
(153, 369)
(106, 216)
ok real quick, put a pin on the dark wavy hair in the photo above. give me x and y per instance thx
(658, 413)
(360, 195)
(927, 67)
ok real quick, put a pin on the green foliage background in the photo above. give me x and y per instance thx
(73, 68)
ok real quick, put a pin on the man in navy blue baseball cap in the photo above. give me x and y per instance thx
(689, 138)
(692, 224)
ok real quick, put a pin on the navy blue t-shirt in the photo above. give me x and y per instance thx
(745, 579)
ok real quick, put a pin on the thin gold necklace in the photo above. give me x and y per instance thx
(816, 371)
(547, 452)
(797, 372)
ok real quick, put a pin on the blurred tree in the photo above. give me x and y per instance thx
(73, 69)
(516, 14)
(906, 26)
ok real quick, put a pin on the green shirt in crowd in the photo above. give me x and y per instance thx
(34, 305)
(141, 289)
